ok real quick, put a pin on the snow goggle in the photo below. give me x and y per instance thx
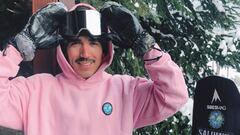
(80, 22)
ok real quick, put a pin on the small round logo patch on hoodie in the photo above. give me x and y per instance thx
(107, 108)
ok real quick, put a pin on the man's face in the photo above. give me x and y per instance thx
(85, 56)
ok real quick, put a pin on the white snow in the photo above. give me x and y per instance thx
(223, 46)
(187, 110)
(136, 4)
(196, 4)
(182, 53)
(219, 5)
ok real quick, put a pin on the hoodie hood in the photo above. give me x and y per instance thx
(68, 71)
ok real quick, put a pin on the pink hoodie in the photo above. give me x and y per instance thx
(104, 104)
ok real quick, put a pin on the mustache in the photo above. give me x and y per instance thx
(81, 59)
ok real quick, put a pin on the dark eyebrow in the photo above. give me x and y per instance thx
(94, 38)
(72, 42)
(79, 40)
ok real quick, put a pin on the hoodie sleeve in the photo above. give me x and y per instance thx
(163, 95)
(13, 92)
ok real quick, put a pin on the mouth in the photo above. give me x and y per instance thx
(85, 61)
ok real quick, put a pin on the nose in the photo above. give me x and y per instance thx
(85, 50)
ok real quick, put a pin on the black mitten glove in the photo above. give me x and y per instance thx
(126, 29)
(41, 30)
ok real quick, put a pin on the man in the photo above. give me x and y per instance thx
(84, 99)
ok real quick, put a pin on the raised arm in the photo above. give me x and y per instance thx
(39, 33)
(163, 95)
(156, 99)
